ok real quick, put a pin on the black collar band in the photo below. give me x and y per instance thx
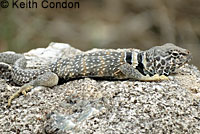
(140, 66)
(128, 58)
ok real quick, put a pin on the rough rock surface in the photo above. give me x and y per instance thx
(99, 106)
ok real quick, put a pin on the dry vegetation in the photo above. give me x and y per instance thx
(102, 23)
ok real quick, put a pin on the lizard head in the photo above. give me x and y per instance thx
(166, 59)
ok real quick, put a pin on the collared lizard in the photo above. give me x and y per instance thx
(154, 64)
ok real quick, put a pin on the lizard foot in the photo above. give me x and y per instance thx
(22, 90)
(156, 77)
(48, 79)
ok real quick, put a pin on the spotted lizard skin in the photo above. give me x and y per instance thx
(153, 64)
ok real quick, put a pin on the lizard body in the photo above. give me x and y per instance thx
(151, 65)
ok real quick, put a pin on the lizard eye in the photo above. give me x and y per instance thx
(175, 54)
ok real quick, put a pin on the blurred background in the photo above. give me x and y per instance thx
(104, 24)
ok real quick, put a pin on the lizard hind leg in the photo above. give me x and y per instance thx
(47, 79)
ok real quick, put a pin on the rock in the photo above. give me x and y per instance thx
(94, 106)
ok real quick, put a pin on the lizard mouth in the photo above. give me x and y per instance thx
(184, 61)
(189, 58)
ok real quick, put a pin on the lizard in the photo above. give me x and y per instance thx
(154, 64)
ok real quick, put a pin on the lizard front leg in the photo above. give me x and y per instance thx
(48, 79)
(133, 73)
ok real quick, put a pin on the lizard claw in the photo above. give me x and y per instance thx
(163, 77)
(157, 77)
(24, 92)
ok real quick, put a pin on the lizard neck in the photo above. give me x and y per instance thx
(140, 64)
(146, 63)
(137, 60)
